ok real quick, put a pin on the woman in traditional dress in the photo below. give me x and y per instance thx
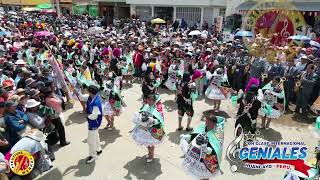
(115, 76)
(272, 103)
(149, 127)
(172, 76)
(217, 90)
(185, 101)
(149, 87)
(203, 148)
(128, 69)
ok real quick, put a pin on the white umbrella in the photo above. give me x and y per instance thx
(12, 12)
(95, 30)
(194, 33)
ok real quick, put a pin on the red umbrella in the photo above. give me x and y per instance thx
(42, 33)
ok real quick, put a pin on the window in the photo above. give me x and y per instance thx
(190, 15)
(222, 12)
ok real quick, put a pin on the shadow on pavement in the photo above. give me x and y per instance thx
(53, 174)
(81, 169)
(170, 105)
(174, 137)
(76, 117)
(165, 91)
(108, 137)
(220, 113)
(302, 118)
(139, 168)
(271, 135)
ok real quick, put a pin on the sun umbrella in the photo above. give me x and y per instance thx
(244, 34)
(44, 6)
(299, 37)
(42, 33)
(95, 30)
(29, 9)
(158, 21)
(315, 44)
(194, 33)
(12, 12)
(48, 11)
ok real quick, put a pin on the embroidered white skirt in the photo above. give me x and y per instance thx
(214, 93)
(144, 138)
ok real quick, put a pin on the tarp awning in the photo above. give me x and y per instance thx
(298, 6)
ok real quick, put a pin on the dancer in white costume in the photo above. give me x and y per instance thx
(216, 91)
(272, 103)
(149, 127)
(203, 148)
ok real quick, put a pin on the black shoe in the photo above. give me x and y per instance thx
(99, 152)
(64, 143)
(90, 160)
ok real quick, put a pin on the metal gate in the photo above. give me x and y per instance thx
(189, 14)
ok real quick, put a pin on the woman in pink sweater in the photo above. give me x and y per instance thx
(52, 101)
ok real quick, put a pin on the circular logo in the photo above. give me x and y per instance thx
(273, 22)
(21, 163)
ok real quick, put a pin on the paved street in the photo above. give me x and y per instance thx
(123, 159)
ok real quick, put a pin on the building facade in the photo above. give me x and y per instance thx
(191, 11)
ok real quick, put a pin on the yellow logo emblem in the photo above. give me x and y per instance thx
(21, 163)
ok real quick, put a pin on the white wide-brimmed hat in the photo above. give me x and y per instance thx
(32, 103)
(36, 135)
(20, 62)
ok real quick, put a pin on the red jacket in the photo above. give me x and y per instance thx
(137, 59)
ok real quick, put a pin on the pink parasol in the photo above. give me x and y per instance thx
(42, 33)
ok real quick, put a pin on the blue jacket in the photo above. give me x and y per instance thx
(12, 121)
(91, 103)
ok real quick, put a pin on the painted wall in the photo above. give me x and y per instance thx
(180, 2)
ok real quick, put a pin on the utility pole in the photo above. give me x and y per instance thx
(58, 8)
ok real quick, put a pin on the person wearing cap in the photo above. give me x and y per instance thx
(8, 85)
(94, 110)
(32, 110)
(290, 73)
(302, 64)
(308, 80)
(16, 121)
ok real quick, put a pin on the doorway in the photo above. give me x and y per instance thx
(165, 13)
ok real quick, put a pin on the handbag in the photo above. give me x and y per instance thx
(156, 132)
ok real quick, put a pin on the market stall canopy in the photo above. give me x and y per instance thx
(158, 21)
(297, 6)
(44, 6)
